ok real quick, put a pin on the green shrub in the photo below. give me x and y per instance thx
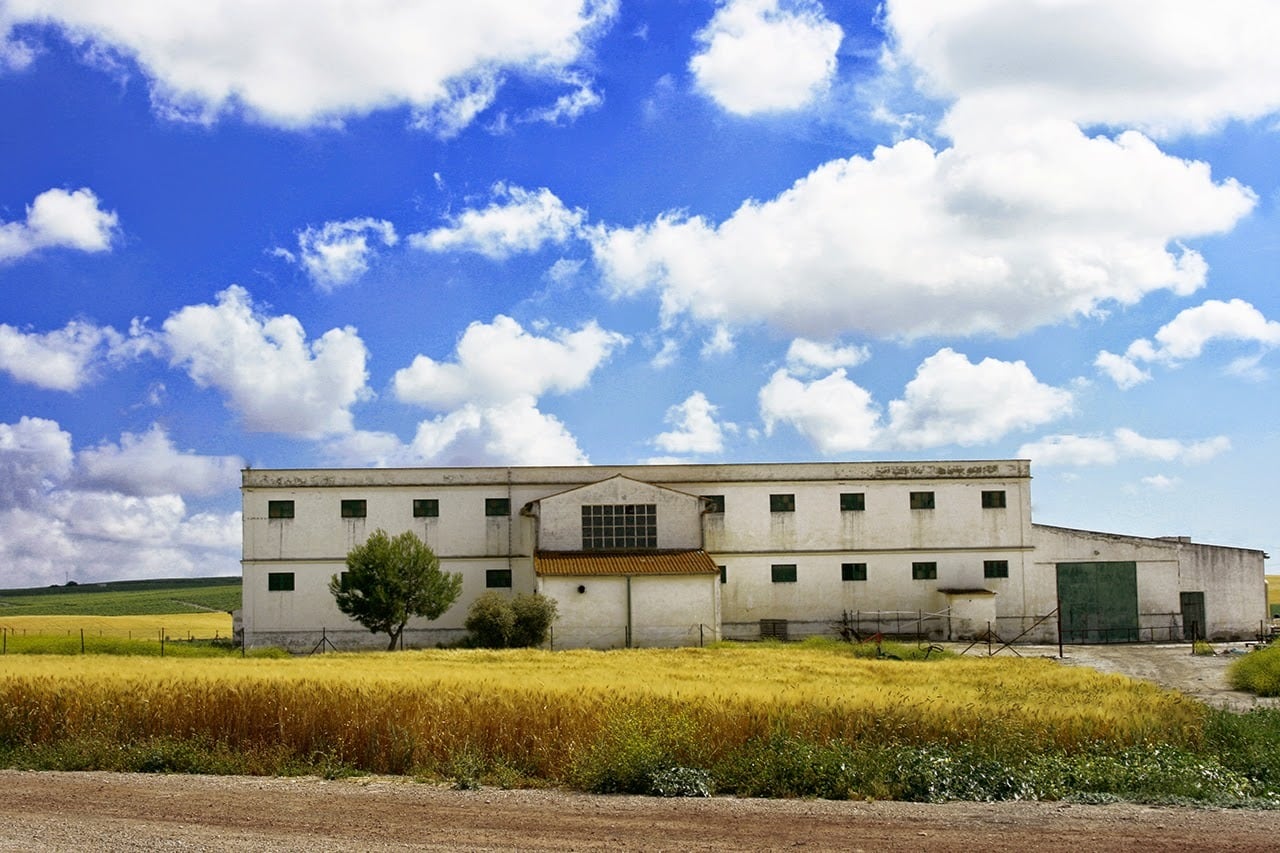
(495, 621)
(490, 621)
(637, 752)
(1249, 744)
(680, 782)
(1155, 773)
(783, 765)
(937, 773)
(533, 617)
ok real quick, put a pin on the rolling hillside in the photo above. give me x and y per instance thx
(125, 598)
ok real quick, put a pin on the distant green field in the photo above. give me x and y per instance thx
(1273, 594)
(124, 598)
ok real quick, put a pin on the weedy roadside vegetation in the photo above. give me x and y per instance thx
(810, 719)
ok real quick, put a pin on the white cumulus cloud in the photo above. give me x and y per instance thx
(59, 218)
(1164, 66)
(759, 56)
(949, 401)
(295, 65)
(834, 413)
(510, 432)
(500, 361)
(67, 359)
(1045, 225)
(518, 220)
(149, 464)
(52, 527)
(1185, 336)
(35, 453)
(487, 396)
(337, 253)
(953, 401)
(696, 429)
(275, 378)
(1123, 444)
(804, 355)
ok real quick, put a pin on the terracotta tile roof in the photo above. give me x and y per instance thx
(649, 562)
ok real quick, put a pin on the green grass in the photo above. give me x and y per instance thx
(1257, 672)
(124, 598)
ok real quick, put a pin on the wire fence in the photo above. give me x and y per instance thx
(98, 640)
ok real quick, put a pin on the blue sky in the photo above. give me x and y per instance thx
(287, 234)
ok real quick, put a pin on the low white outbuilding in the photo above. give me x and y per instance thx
(669, 555)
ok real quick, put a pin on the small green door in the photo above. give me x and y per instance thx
(1098, 602)
(1192, 615)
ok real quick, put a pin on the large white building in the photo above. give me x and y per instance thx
(669, 555)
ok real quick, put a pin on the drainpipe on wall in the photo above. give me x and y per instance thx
(702, 525)
(511, 522)
(629, 624)
(532, 511)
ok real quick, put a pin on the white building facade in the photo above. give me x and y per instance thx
(671, 555)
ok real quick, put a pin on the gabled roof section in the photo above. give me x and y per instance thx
(618, 563)
(615, 487)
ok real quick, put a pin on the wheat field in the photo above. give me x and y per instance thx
(180, 626)
(401, 712)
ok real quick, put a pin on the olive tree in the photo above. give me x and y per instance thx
(390, 580)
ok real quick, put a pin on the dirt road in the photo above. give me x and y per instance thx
(1169, 665)
(122, 812)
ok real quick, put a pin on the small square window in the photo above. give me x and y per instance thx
(280, 581)
(993, 500)
(354, 509)
(924, 571)
(714, 503)
(782, 503)
(426, 508)
(497, 506)
(497, 578)
(344, 581)
(853, 571)
(922, 500)
(783, 573)
(995, 568)
(853, 501)
(724, 574)
(279, 509)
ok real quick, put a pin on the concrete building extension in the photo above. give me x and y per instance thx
(669, 555)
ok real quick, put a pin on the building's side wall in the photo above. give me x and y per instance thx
(958, 534)
(318, 530)
(298, 619)
(888, 523)
(1234, 584)
(1157, 574)
(665, 610)
(1232, 579)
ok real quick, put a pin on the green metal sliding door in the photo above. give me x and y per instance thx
(1098, 602)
